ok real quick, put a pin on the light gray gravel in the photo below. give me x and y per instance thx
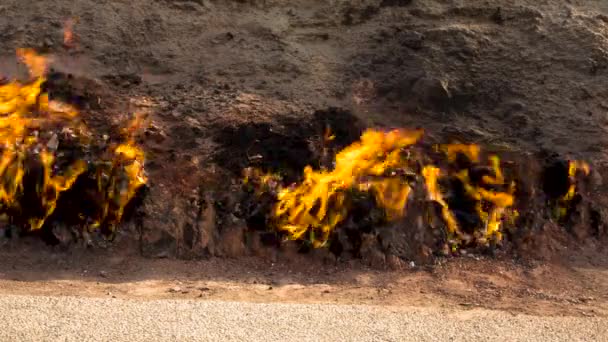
(28, 318)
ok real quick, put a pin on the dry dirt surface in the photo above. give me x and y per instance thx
(578, 289)
(225, 82)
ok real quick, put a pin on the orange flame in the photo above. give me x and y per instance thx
(27, 114)
(319, 203)
(68, 33)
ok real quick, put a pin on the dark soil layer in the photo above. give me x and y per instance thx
(231, 84)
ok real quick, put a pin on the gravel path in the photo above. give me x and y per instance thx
(27, 318)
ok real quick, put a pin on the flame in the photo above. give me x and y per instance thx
(471, 151)
(68, 33)
(497, 201)
(36, 64)
(431, 174)
(30, 125)
(574, 167)
(319, 203)
(130, 158)
(491, 206)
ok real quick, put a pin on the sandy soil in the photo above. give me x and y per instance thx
(527, 75)
(578, 288)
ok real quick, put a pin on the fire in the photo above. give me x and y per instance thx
(319, 203)
(32, 176)
(68, 33)
(574, 167)
(431, 174)
(118, 189)
(384, 164)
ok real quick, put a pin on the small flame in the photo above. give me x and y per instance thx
(36, 64)
(470, 151)
(574, 167)
(431, 174)
(68, 33)
(497, 202)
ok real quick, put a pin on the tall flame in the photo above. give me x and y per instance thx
(124, 178)
(574, 167)
(317, 204)
(29, 127)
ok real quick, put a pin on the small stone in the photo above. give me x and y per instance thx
(48, 42)
(53, 143)
(433, 92)
(394, 262)
(103, 274)
(412, 264)
(175, 289)
(413, 40)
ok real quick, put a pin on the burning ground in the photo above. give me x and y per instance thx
(307, 102)
(433, 198)
(54, 170)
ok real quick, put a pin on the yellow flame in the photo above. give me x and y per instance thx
(471, 151)
(431, 174)
(25, 113)
(52, 186)
(574, 166)
(119, 184)
(319, 201)
(497, 201)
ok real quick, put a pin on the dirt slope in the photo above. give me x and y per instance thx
(529, 74)
(225, 81)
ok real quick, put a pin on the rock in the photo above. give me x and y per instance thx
(175, 289)
(394, 262)
(498, 16)
(232, 240)
(375, 258)
(160, 225)
(413, 40)
(103, 274)
(53, 143)
(432, 91)
(48, 42)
